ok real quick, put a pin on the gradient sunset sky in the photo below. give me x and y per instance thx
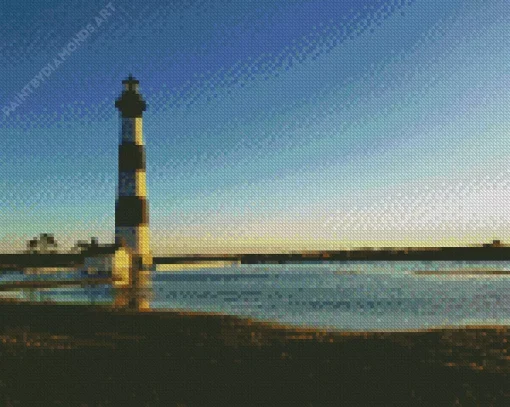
(271, 125)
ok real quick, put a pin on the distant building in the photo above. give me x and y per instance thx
(495, 243)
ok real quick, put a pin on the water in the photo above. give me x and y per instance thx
(337, 295)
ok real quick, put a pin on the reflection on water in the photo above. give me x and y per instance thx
(73, 288)
(137, 297)
(347, 295)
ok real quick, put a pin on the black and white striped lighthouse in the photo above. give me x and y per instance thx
(131, 207)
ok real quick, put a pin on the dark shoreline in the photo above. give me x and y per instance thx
(487, 252)
(79, 355)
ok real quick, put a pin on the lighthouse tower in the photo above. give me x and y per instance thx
(131, 207)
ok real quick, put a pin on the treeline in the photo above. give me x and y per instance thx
(44, 251)
(46, 243)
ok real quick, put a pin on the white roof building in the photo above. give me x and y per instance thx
(115, 261)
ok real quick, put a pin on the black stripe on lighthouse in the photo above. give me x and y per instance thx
(131, 211)
(131, 157)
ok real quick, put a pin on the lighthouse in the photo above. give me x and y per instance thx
(131, 206)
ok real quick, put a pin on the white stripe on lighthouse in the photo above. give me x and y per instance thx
(133, 183)
(136, 237)
(131, 130)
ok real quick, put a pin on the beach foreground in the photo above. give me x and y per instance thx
(60, 355)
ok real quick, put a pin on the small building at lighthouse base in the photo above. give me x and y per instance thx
(115, 261)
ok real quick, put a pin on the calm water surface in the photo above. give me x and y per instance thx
(340, 295)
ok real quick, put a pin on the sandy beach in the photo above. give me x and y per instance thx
(54, 355)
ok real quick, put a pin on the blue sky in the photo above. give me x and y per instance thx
(271, 125)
